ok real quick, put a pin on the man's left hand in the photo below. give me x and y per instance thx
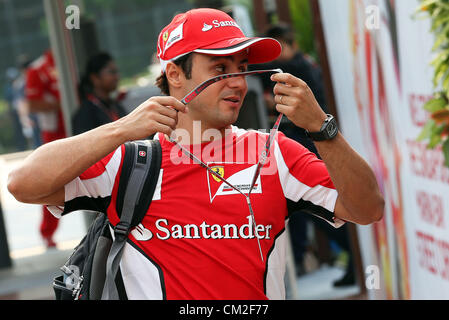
(296, 101)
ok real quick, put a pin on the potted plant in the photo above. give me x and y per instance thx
(436, 130)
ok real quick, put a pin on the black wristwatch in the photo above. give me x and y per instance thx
(328, 130)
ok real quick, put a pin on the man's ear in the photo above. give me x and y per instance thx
(175, 75)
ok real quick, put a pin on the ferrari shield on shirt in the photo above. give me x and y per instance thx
(198, 239)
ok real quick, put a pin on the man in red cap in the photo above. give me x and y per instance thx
(198, 239)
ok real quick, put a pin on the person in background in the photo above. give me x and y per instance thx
(98, 107)
(295, 62)
(29, 120)
(10, 94)
(43, 97)
(292, 61)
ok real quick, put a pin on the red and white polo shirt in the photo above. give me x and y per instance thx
(197, 240)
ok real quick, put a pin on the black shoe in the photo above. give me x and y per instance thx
(347, 280)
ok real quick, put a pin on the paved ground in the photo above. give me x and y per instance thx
(33, 266)
(30, 278)
(317, 285)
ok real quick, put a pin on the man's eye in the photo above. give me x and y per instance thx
(243, 68)
(220, 68)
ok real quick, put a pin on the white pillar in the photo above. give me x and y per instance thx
(62, 47)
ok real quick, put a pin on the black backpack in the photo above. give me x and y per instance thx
(91, 272)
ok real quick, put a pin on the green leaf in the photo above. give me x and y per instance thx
(444, 4)
(440, 72)
(441, 56)
(440, 21)
(446, 152)
(440, 40)
(427, 130)
(446, 82)
(435, 14)
(435, 105)
(435, 138)
(427, 3)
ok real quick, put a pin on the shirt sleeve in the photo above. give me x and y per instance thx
(305, 180)
(92, 190)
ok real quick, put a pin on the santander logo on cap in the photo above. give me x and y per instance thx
(206, 27)
(218, 24)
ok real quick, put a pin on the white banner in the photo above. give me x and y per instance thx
(379, 57)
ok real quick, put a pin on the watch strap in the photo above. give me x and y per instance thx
(323, 134)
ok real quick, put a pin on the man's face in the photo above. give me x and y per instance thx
(218, 105)
(108, 78)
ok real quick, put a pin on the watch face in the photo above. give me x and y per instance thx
(328, 131)
(332, 128)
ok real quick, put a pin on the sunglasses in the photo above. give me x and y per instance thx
(263, 157)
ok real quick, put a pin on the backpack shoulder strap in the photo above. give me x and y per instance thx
(144, 159)
(150, 182)
(136, 152)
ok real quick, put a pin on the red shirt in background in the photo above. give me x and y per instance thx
(42, 84)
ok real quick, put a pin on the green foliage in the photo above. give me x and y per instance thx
(302, 22)
(446, 152)
(436, 130)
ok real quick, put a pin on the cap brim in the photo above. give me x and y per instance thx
(261, 50)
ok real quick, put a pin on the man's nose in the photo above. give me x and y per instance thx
(237, 82)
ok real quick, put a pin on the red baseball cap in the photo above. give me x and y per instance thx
(213, 32)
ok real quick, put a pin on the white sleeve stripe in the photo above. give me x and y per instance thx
(295, 190)
(56, 211)
(322, 196)
(100, 186)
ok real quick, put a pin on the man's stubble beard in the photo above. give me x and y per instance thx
(214, 118)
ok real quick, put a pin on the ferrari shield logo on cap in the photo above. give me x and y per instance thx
(175, 36)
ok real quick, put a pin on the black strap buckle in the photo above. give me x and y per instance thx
(121, 230)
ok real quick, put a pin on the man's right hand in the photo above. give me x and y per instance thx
(157, 114)
(61, 161)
